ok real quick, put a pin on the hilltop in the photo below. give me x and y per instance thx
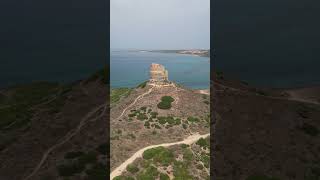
(153, 114)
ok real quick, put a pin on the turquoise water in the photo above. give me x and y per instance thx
(128, 69)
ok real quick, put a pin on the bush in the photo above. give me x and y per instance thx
(142, 85)
(193, 119)
(121, 178)
(149, 174)
(142, 117)
(154, 114)
(159, 155)
(184, 126)
(202, 143)
(165, 102)
(164, 177)
(157, 126)
(143, 108)
(187, 155)
(162, 120)
(132, 168)
(164, 105)
(167, 99)
(147, 124)
(183, 146)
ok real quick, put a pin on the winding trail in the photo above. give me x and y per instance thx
(68, 136)
(189, 140)
(138, 98)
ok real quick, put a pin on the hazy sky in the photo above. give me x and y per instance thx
(160, 24)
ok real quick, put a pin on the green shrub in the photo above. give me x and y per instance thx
(132, 115)
(149, 174)
(121, 178)
(183, 146)
(142, 117)
(165, 102)
(164, 177)
(170, 120)
(162, 120)
(142, 85)
(154, 114)
(187, 155)
(164, 105)
(202, 143)
(184, 126)
(193, 119)
(167, 99)
(157, 126)
(180, 171)
(147, 124)
(132, 168)
(177, 121)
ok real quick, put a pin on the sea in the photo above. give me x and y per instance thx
(268, 43)
(130, 68)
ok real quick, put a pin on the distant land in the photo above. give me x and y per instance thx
(196, 52)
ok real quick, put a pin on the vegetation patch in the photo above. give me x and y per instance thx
(118, 93)
(159, 155)
(165, 102)
(142, 85)
(132, 168)
(203, 143)
(193, 119)
(180, 171)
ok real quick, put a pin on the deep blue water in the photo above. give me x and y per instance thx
(60, 40)
(128, 69)
(270, 43)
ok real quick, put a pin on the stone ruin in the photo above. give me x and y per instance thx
(158, 74)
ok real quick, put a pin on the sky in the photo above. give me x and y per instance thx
(160, 24)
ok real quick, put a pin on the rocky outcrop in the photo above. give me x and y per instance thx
(158, 74)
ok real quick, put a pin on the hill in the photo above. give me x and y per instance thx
(265, 133)
(151, 115)
(51, 130)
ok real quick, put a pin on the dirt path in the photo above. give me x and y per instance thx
(189, 140)
(272, 97)
(205, 91)
(138, 98)
(68, 136)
